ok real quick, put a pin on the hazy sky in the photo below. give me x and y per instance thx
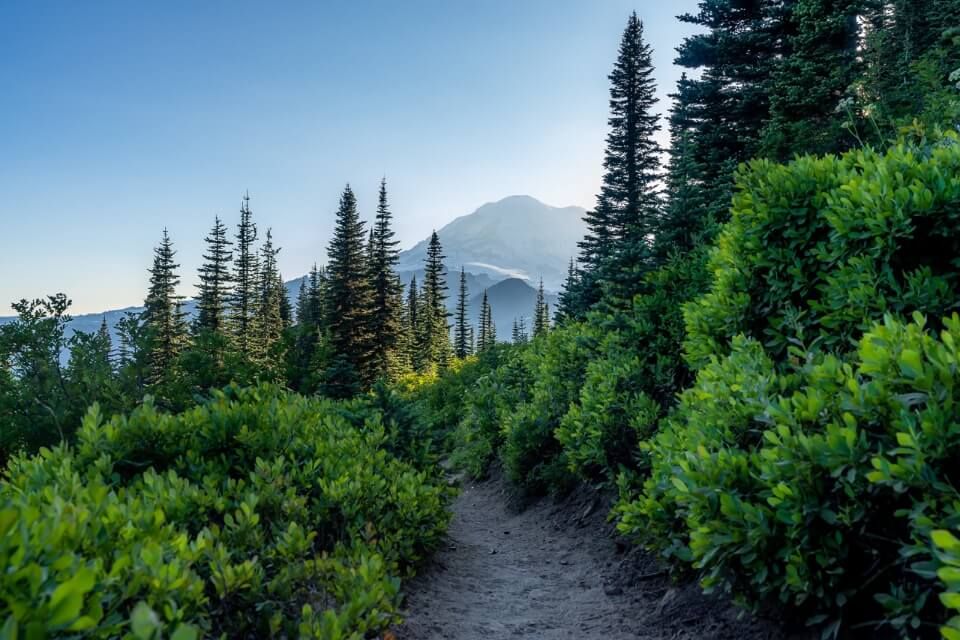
(120, 118)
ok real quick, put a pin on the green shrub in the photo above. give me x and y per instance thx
(533, 458)
(818, 490)
(635, 376)
(820, 248)
(227, 518)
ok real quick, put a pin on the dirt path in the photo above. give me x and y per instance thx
(552, 571)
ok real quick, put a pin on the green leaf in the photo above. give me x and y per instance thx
(143, 621)
(185, 632)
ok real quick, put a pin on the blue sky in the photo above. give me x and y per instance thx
(118, 119)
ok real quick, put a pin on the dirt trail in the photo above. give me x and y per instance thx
(552, 571)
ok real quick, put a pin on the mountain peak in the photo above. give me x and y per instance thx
(514, 237)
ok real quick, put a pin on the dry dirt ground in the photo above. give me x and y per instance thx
(553, 570)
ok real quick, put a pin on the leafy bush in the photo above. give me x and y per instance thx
(820, 248)
(821, 489)
(533, 458)
(635, 376)
(256, 514)
(486, 406)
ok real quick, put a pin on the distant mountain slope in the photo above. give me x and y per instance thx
(509, 300)
(517, 237)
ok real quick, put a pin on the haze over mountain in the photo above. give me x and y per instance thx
(516, 237)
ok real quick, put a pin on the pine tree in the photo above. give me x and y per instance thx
(566, 306)
(519, 334)
(387, 290)
(163, 316)
(434, 335)
(267, 323)
(246, 276)
(286, 308)
(541, 313)
(818, 67)
(727, 106)
(349, 298)
(214, 288)
(484, 340)
(105, 342)
(616, 251)
(683, 221)
(461, 330)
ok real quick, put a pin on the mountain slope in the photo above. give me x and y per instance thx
(517, 237)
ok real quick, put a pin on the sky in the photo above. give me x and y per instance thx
(119, 119)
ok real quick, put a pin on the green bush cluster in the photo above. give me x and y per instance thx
(257, 514)
(808, 465)
(820, 248)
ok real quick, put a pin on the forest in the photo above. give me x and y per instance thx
(756, 351)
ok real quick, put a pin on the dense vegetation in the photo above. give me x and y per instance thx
(761, 359)
(257, 513)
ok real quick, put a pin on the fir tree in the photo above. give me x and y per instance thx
(566, 306)
(483, 337)
(214, 287)
(286, 308)
(434, 334)
(349, 298)
(818, 67)
(519, 334)
(461, 330)
(387, 290)
(616, 250)
(163, 316)
(683, 221)
(246, 276)
(267, 323)
(541, 313)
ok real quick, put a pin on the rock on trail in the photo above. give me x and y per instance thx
(553, 571)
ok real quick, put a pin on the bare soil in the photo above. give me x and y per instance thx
(555, 570)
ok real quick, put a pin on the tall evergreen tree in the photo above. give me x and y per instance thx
(818, 66)
(541, 313)
(616, 250)
(462, 345)
(267, 324)
(684, 219)
(566, 306)
(519, 334)
(726, 108)
(349, 298)
(163, 316)
(246, 279)
(434, 335)
(214, 287)
(484, 340)
(387, 289)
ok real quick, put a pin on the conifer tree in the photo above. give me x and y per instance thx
(434, 335)
(461, 330)
(286, 308)
(163, 316)
(519, 334)
(349, 298)
(246, 276)
(541, 313)
(616, 251)
(566, 306)
(817, 68)
(267, 323)
(484, 339)
(214, 287)
(684, 219)
(105, 341)
(387, 290)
